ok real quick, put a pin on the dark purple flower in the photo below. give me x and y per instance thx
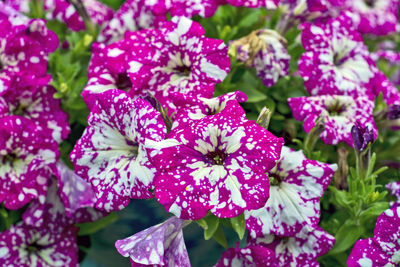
(362, 137)
(393, 112)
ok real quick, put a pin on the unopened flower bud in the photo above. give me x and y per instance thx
(362, 137)
(393, 112)
(264, 117)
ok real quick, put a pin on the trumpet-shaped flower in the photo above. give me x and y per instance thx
(384, 248)
(296, 186)
(336, 60)
(216, 164)
(27, 157)
(111, 153)
(159, 245)
(339, 112)
(300, 250)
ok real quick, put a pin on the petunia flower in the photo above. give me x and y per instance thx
(195, 108)
(24, 53)
(269, 4)
(26, 246)
(340, 114)
(384, 248)
(133, 15)
(109, 65)
(8, 12)
(297, 183)
(37, 104)
(249, 256)
(394, 189)
(265, 51)
(111, 153)
(69, 200)
(177, 58)
(27, 157)
(217, 164)
(185, 62)
(159, 245)
(378, 17)
(336, 60)
(301, 250)
(65, 12)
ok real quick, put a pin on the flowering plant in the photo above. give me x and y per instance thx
(199, 133)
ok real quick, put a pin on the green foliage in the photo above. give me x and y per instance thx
(239, 225)
(93, 227)
(69, 70)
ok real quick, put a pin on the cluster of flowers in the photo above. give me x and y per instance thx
(155, 130)
(32, 124)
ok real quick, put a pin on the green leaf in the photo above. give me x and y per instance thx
(253, 95)
(373, 211)
(239, 225)
(93, 227)
(203, 224)
(212, 223)
(219, 236)
(346, 237)
(249, 19)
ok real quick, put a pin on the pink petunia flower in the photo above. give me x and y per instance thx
(24, 53)
(249, 256)
(378, 17)
(300, 250)
(339, 112)
(26, 246)
(112, 154)
(65, 12)
(384, 248)
(69, 200)
(185, 62)
(336, 60)
(177, 58)
(293, 205)
(27, 157)
(39, 105)
(217, 164)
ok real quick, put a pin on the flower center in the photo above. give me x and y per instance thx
(274, 178)
(183, 70)
(336, 108)
(34, 247)
(20, 110)
(216, 157)
(123, 82)
(10, 158)
(338, 60)
(369, 3)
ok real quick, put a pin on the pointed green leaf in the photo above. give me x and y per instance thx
(219, 236)
(93, 227)
(346, 237)
(212, 223)
(239, 225)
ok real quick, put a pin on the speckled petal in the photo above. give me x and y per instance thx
(217, 164)
(27, 157)
(340, 114)
(111, 154)
(250, 256)
(160, 245)
(301, 250)
(294, 201)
